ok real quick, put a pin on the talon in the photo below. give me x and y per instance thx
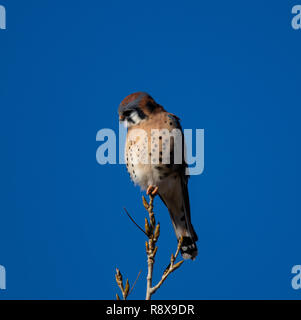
(152, 190)
(149, 190)
(155, 191)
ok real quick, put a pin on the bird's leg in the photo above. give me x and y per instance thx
(152, 190)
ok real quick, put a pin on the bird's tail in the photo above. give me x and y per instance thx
(183, 228)
(182, 225)
(176, 199)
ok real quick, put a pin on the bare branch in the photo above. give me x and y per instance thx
(151, 251)
(152, 231)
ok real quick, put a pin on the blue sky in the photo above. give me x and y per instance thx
(231, 68)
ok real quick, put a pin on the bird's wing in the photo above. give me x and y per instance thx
(174, 193)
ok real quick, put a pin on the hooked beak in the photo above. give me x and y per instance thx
(121, 117)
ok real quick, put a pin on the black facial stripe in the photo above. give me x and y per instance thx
(129, 119)
(127, 114)
(150, 106)
(141, 114)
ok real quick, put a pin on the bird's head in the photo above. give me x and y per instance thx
(137, 107)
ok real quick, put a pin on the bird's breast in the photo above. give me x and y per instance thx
(144, 163)
(148, 151)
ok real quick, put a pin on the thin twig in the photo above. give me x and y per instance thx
(136, 224)
(135, 282)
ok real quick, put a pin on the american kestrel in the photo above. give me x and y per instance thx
(154, 155)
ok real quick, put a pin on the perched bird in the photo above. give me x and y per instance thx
(154, 140)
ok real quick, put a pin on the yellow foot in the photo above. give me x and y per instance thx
(152, 190)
